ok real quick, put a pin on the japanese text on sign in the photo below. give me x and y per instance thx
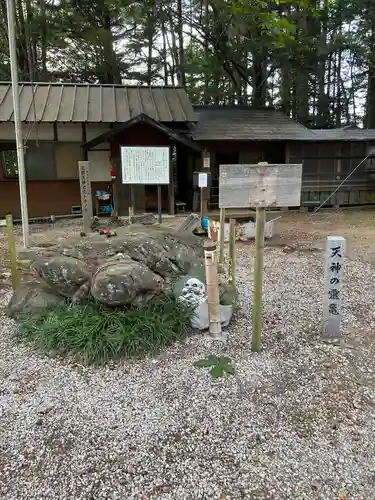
(86, 195)
(335, 249)
(145, 165)
(85, 186)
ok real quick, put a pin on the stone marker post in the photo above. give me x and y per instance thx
(86, 194)
(334, 267)
(12, 250)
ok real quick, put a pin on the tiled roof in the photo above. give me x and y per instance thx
(56, 102)
(243, 123)
(344, 134)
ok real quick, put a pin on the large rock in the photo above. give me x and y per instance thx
(150, 251)
(64, 275)
(125, 282)
(31, 298)
(127, 269)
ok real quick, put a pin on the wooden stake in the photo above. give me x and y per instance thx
(159, 204)
(12, 250)
(132, 198)
(213, 297)
(232, 250)
(131, 213)
(114, 198)
(258, 279)
(221, 235)
(202, 205)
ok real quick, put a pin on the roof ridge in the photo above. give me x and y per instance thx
(88, 84)
(235, 106)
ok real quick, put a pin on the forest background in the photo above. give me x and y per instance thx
(312, 59)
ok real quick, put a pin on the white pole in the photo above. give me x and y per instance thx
(17, 121)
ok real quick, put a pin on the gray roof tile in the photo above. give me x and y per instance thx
(244, 123)
(344, 134)
(96, 103)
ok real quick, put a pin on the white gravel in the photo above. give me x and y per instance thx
(296, 422)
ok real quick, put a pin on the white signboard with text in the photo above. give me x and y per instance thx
(145, 165)
(202, 180)
(261, 185)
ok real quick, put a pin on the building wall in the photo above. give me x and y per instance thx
(52, 179)
(327, 164)
(44, 198)
(51, 167)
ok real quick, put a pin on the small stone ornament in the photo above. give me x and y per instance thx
(193, 293)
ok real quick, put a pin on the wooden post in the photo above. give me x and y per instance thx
(86, 194)
(258, 279)
(213, 297)
(172, 170)
(114, 198)
(202, 203)
(159, 204)
(132, 199)
(232, 250)
(12, 251)
(334, 267)
(221, 235)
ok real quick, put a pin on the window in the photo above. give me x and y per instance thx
(9, 163)
(39, 162)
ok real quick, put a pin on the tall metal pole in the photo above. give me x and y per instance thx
(17, 121)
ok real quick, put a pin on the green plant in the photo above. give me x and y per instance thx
(96, 335)
(219, 365)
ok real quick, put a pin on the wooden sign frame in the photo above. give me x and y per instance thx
(260, 185)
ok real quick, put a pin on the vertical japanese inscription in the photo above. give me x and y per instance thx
(334, 267)
(86, 194)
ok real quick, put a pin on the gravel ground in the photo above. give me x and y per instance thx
(296, 421)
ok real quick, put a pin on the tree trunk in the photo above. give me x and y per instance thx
(323, 116)
(150, 44)
(165, 43)
(286, 89)
(181, 52)
(338, 110)
(112, 73)
(206, 91)
(259, 81)
(370, 115)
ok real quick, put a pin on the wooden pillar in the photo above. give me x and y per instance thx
(173, 165)
(338, 199)
(205, 167)
(287, 152)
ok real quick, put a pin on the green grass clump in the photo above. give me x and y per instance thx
(95, 336)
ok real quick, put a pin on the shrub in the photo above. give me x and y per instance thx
(96, 336)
